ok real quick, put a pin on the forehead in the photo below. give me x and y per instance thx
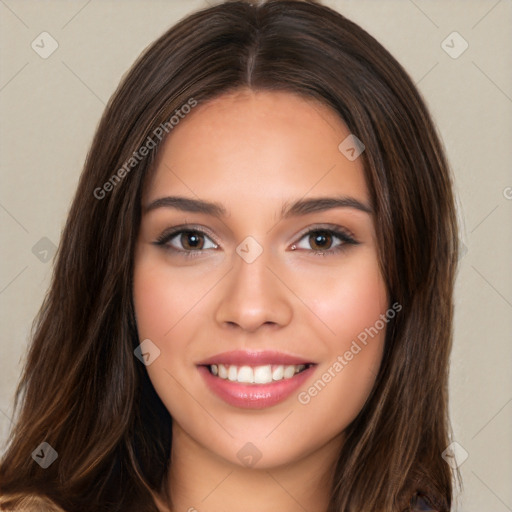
(251, 146)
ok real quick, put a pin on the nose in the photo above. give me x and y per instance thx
(253, 295)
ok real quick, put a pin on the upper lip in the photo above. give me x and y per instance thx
(254, 358)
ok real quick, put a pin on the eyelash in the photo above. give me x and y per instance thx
(344, 236)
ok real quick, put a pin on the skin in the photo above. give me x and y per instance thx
(252, 152)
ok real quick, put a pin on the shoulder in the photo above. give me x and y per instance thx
(28, 503)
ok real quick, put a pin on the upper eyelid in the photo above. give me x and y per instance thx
(171, 233)
(326, 227)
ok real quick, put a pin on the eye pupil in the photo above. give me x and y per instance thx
(320, 238)
(191, 240)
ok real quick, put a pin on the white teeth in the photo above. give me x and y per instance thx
(223, 371)
(263, 374)
(245, 374)
(278, 373)
(232, 373)
(256, 375)
(289, 372)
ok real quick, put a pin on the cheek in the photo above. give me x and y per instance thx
(161, 306)
(162, 301)
(151, 297)
(347, 300)
(349, 303)
(163, 297)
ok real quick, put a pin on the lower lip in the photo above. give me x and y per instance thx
(254, 396)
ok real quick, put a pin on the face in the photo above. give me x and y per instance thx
(256, 279)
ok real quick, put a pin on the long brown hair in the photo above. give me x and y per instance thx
(83, 391)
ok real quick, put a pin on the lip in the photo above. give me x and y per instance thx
(254, 396)
(254, 358)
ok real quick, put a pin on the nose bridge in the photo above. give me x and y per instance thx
(253, 296)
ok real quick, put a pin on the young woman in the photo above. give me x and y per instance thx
(251, 307)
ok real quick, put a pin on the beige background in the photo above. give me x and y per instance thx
(50, 109)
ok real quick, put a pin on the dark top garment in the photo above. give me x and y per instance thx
(420, 503)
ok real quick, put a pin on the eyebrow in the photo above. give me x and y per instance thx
(289, 209)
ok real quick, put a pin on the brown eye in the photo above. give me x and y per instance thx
(320, 240)
(192, 240)
(186, 241)
(325, 241)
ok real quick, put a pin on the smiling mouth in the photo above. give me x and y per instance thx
(264, 374)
